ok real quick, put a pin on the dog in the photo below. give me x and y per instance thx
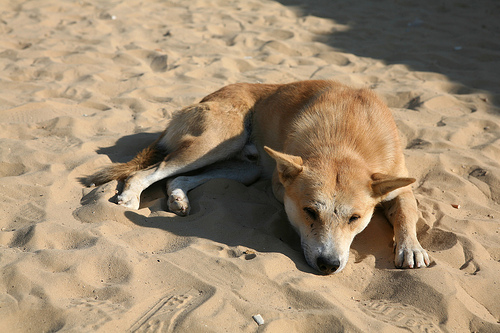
(332, 153)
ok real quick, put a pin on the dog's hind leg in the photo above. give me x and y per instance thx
(195, 156)
(196, 137)
(178, 187)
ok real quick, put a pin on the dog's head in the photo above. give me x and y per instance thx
(330, 204)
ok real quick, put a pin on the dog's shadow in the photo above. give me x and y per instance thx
(230, 213)
(122, 151)
(377, 241)
(233, 214)
(128, 146)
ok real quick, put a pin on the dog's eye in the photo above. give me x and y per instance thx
(354, 218)
(311, 212)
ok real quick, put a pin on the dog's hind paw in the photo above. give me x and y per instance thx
(128, 200)
(178, 203)
(411, 256)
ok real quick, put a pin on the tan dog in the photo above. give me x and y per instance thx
(335, 155)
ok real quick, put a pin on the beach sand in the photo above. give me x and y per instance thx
(86, 83)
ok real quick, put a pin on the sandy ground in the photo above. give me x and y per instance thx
(85, 83)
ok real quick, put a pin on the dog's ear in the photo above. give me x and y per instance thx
(383, 184)
(289, 166)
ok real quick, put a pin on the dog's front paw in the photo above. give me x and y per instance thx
(178, 203)
(129, 200)
(410, 255)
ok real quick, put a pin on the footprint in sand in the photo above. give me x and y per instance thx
(400, 315)
(163, 315)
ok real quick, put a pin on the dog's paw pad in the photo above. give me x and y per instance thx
(178, 203)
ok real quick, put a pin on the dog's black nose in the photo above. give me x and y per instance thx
(327, 266)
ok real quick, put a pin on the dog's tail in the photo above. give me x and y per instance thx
(121, 171)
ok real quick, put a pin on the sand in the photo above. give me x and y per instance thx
(85, 83)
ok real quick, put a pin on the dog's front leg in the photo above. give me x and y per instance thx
(403, 215)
